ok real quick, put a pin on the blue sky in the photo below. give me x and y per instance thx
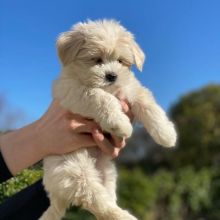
(181, 40)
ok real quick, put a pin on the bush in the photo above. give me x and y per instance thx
(79, 214)
(15, 184)
(166, 195)
(197, 119)
(184, 194)
(136, 191)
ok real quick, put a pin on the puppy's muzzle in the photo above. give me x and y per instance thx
(110, 77)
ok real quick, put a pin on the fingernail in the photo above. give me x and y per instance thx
(123, 144)
(125, 107)
(101, 137)
(114, 155)
(97, 131)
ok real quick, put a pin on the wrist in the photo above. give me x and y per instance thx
(41, 138)
(20, 148)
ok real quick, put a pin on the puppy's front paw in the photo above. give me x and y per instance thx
(167, 135)
(121, 127)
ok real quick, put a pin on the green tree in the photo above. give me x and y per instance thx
(197, 118)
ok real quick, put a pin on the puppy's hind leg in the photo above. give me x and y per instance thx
(78, 181)
(147, 111)
(93, 196)
(102, 205)
(56, 210)
(109, 175)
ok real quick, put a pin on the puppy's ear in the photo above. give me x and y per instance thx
(139, 56)
(68, 45)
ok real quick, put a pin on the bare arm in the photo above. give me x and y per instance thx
(56, 132)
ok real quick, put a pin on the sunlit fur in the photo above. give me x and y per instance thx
(87, 177)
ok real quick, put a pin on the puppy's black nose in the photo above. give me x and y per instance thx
(110, 77)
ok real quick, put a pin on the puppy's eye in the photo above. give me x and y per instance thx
(98, 61)
(124, 63)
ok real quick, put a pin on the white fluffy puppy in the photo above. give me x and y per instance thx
(96, 64)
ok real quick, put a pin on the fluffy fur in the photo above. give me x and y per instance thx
(87, 178)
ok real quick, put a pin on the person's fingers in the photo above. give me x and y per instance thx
(104, 144)
(127, 109)
(85, 140)
(124, 105)
(115, 152)
(81, 125)
(120, 95)
(118, 142)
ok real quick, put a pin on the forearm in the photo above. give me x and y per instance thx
(56, 132)
(21, 148)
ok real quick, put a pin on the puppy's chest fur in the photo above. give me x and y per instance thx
(74, 95)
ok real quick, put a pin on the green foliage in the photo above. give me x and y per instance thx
(212, 212)
(198, 122)
(15, 184)
(134, 186)
(79, 214)
(166, 195)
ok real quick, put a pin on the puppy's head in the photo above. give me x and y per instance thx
(99, 53)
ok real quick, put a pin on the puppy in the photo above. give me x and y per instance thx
(96, 62)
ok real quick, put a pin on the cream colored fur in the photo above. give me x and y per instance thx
(87, 177)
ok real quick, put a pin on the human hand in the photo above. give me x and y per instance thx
(56, 132)
(112, 145)
(61, 132)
